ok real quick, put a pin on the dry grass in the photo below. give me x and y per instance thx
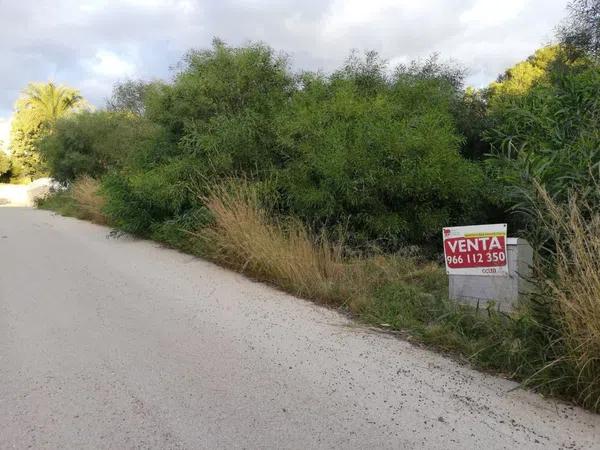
(245, 237)
(85, 192)
(575, 286)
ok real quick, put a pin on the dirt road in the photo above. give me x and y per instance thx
(117, 343)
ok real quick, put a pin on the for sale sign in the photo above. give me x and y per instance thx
(476, 250)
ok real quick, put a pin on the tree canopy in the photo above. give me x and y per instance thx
(520, 78)
(581, 31)
(128, 96)
(36, 111)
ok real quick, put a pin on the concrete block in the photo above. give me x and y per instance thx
(479, 290)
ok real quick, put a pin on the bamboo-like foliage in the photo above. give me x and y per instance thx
(575, 287)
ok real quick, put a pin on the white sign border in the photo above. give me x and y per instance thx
(501, 271)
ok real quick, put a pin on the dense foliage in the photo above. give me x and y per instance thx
(94, 143)
(550, 134)
(222, 107)
(219, 119)
(378, 154)
(389, 154)
(36, 112)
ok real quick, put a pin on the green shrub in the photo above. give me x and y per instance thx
(138, 200)
(550, 134)
(94, 143)
(219, 119)
(379, 155)
(222, 106)
(5, 167)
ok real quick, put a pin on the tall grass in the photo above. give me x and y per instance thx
(401, 293)
(573, 281)
(86, 192)
(82, 200)
(245, 236)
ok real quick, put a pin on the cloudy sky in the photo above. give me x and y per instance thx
(90, 44)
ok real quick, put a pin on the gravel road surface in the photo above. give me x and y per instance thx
(117, 343)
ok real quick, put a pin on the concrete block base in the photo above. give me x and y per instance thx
(479, 290)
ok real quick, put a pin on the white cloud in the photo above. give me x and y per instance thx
(108, 64)
(485, 13)
(89, 44)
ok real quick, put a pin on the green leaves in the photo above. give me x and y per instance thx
(385, 160)
(36, 112)
(550, 134)
(94, 143)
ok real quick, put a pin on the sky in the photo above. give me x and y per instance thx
(91, 44)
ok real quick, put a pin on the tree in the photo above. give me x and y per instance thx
(219, 116)
(378, 154)
(520, 78)
(222, 107)
(94, 143)
(128, 96)
(4, 164)
(36, 111)
(581, 31)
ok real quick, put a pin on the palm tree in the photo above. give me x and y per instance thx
(36, 111)
(47, 102)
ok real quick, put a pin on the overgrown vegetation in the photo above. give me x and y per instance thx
(334, 187)
(378, 154)
(396, 291)
(95, 143)
(36, 113)
(571, 278)
(82, 200)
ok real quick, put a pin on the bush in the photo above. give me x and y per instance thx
(379, 155)
(222, 106)
(11, 170)
(158, 202)
(550, 134)
(94, 143)
(218, 116)
(5, 167)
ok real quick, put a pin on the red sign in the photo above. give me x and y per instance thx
(476, 250)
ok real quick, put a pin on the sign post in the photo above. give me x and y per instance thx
(476, 250)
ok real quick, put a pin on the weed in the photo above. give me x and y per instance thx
(82, 200)
(573, 283)
(86, 193)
